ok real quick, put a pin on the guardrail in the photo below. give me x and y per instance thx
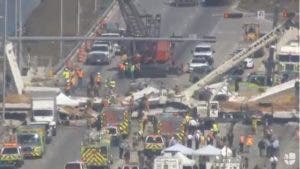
(60, 65)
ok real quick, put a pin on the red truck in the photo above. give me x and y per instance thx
(149, 52)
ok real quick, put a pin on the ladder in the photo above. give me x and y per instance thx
(235, 60)
(135, 25)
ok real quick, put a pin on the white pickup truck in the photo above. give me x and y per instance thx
(44, 110)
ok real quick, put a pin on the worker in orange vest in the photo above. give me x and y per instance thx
(241, 143)
(122, 68)
(80, 74)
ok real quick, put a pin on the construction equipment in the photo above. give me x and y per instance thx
(148, 52)
(251, 32)
(32, 141)
(10, 153)
(233, 61)
(95, 150)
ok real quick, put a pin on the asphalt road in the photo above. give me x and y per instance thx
(64, 148)
(181, 21)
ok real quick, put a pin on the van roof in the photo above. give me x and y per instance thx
(203, 45)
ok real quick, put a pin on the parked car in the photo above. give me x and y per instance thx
(199, 73)
(97, 57)
(196, 63)
(130, 166)
(75, 165)
(203, 49)
(249, 63)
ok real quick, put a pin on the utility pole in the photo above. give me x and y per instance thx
(61, 31)
(20, 33)
(78, 17)
(270, 62)
(95, 5)
(16, 17)
(4, 60)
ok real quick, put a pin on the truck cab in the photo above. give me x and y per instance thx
(32, 141)
(154, 144)
(44, 110)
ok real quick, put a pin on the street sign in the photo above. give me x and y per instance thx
(261, 14)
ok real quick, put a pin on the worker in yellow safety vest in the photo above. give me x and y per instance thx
(66, 74)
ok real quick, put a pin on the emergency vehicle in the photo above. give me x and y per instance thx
(11, 154)
(95, 150)
(32, 141)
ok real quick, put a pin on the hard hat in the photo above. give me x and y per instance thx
(66, 68)
(98, 73)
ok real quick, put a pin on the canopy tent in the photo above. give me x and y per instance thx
(184, 160)
(208, 150)
(179, 148)
(63, 100)
(226, 151)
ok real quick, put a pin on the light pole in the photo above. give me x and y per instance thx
(61, 31)
(20, 32)
(78, 17)
(4, 60)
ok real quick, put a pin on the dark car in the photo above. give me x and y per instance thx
(199, 73)
(95, 58)
(7, 166)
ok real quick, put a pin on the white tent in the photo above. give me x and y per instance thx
(180, 148)
(226, 151)
(184, 160)
(208, 150)
(63, 100)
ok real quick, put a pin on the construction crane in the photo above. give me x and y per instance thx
(135, 24)
(142, 26)
(273, 35)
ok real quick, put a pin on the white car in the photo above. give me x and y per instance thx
(249, 63)
(196, 63)
(203, 49)
(102, 50)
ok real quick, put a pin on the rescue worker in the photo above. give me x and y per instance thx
(273, 161)
(254, 125)
(68, 87)
(189, 141)
(122, 68)
(241, 143)
(80, 75)
(197, 138)
(131, 104)
(132, 71)
(66, 74)
(121, 149)
(215, 129)
(98, 79)
(202, 139)
(127, 156)
(261, 146)
(249, 142)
